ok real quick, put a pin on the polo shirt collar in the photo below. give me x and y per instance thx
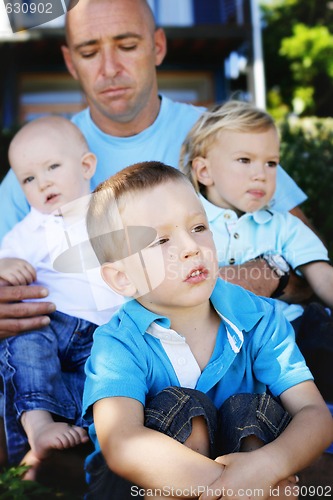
(214, 212)
(38, 219)
(237, 316)
(142, 317)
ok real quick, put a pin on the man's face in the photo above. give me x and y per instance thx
(113, 52)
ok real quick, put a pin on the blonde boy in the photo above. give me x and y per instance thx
(231, 155)
(187, 347)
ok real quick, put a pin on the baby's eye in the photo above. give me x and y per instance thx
(54, 165)
(272, 164)
(199, 228)
(28, 179)
(244, 160)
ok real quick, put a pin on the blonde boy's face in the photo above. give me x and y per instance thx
(241, 170)
(180, 266)
(50, 169)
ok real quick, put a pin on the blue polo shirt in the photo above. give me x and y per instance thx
(255, 349)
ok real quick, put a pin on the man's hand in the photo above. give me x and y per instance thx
(257, 277)
(16, 316)
(254, 275)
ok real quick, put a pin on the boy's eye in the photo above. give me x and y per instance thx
(272, 164)
(156, 243)
(28, 179)
(199, 228)
(54, 165)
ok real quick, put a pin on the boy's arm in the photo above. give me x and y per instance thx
(320, 277)
(17, 271)
(147, 457)
(305, 438)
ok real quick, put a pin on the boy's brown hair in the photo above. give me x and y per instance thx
(109, 239)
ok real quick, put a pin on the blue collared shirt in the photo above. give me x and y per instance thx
(255, 349)
(239, 239)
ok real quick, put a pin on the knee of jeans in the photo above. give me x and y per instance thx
(171, 412)
(243, 415)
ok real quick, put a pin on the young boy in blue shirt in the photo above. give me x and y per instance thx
(188, 359)
(231, 155)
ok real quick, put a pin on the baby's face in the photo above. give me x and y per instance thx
(50, 171)
(179, 267)
(243, 167)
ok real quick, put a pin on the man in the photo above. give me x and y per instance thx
(113, 49)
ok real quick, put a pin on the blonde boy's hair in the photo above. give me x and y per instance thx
(107, 202)
(234, 116)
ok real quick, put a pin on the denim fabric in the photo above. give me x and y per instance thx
(171, 412)
(44, 370)
(314, 337)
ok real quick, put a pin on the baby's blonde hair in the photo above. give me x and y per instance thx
(234, 116)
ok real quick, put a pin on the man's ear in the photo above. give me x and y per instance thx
(69, 61)
(201, 171)
(88, 162)
(115, 276)
(160, 46)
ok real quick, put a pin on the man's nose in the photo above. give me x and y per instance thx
(110, 64)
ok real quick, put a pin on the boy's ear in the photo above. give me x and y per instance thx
(201, 171)
(88, 162)
(117, 279)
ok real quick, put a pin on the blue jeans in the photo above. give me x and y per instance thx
(44, 370)
(171, 412)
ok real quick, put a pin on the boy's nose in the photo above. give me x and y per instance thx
(259, 172)
(189, 247)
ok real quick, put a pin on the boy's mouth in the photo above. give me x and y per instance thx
(197, 275)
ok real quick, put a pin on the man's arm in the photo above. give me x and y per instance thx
(257, 277)
(16, 316)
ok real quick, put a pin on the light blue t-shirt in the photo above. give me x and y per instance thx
(240, 239)
(160, 142)
(255, 349)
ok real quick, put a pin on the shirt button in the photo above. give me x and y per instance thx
(227, 216)
(232, 261)
(236, 236)
(181, 361)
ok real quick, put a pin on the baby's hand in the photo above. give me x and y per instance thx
(17, 271)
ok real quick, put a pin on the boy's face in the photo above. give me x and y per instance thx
(180, 264)
(241, 170)
(51, 170)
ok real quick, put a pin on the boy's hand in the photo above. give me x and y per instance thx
(17, 271)
(246, 475)
(16, 316)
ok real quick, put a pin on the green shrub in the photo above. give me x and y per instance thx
(12, 487)
(307, 155)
